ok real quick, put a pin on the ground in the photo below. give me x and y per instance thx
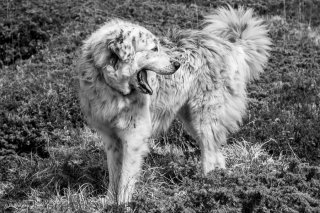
(51, 161)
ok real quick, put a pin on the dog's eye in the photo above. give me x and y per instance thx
(155, 49)
(114, 60)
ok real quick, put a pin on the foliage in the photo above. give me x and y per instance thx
(292, 188)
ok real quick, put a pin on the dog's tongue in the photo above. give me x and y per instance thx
(144, 82)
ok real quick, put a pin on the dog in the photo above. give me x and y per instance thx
(133, 84)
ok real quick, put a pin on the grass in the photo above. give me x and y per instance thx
(76, 181)
(50, 161)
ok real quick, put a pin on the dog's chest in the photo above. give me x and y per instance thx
(124, 113)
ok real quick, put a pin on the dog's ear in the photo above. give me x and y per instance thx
(123, 46)
(86, 70)
(94, 57)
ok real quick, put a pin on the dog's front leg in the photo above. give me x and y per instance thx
(113, 150)
(125, 146)
(134, 148)
(125, 151)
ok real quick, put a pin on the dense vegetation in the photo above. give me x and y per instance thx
(51, 161)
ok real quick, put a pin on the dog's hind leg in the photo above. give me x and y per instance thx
(210, 139)
(208, 133)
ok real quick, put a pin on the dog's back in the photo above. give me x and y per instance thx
(208, 93)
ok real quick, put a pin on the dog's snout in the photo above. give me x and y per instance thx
(176, 65)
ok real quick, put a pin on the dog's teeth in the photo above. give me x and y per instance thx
(139, 76)
(143, 82)
(146, 85)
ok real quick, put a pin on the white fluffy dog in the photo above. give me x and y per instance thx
(127, 102)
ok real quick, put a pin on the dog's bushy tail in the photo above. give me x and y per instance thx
(239, 26)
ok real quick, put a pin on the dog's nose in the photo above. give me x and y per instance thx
(176, 65)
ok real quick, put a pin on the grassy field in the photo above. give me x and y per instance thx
(51, 161)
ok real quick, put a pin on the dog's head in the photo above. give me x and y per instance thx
(127, 56)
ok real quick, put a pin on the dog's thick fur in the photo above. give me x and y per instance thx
(207, 93)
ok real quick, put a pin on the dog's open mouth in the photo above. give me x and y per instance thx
(144, 86)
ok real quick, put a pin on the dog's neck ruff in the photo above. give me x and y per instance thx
(132, 90)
